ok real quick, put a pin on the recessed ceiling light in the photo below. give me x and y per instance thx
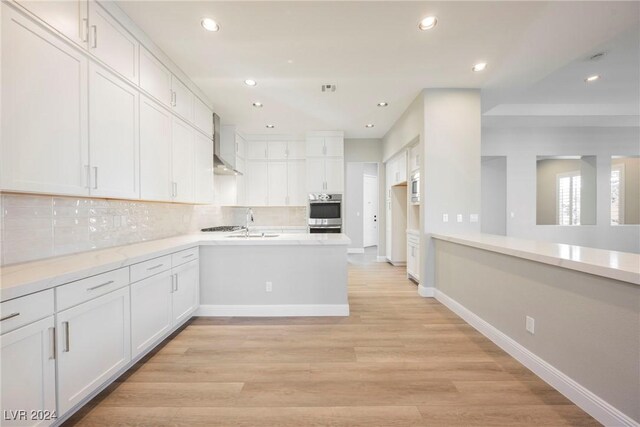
(369, 125)
(270, 126)
(382, 104)
(480, 66)
(209, 24)
(257, 104)
(427, 23)
(250, 82)
(591, 79)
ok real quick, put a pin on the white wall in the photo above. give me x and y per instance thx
(523, 145)
(353, 204)
(408, 127)
(493, 217)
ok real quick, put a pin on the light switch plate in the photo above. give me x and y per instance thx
(445, 217)
(531, 325)
(459, 217)
(473, 218)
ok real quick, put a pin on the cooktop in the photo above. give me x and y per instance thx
(224, 228)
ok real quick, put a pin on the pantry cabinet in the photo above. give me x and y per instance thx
(182, 161)
(325, 175)
(155, 151)
(44, 110)
(113, 136)
(94, 343)
(296, 190)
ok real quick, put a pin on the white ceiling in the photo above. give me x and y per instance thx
(374, 52)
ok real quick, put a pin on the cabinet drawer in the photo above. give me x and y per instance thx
(184, 256)
(149, 268)
(83, 290)
(21, 311)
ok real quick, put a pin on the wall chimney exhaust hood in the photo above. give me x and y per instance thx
(224, 148)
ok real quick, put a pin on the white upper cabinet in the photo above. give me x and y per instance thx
(204, 169)
(155, 151)
(69, 17)
(414, 157)
(155, 78)
(256, 187)
(277, 150)
(112, 43)
(113, 136)
(257, 150)
(202, 116)
(315, 146)
(296, 150)
(44, 110)
(240, 182)
(182, 99)
(315, 175)
(334, 178)
(334, 146)
(182, 148)
(324, 144)
(241, 149)
(277, 179)
(296, 177)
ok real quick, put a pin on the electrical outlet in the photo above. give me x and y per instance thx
(459, 217)
(445, 217)
(269, 286)
(531, 325)
(473, 218)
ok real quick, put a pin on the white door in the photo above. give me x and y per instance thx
(94, 343)
(183, 158)
(155, 151)
(334, 146)
(150, 311)
(277, 150)
(334, 169)
(370, 210)
(182, 99)
(315, 175)
(296, 188)
(44, 111)
(202, 116)
(155, 78)
(203, 168)
(256, 187)
(277, 180)
(186, 291)
(68, 17)
(112, 43)
(257, 150)
(28, 366)
(113, 136)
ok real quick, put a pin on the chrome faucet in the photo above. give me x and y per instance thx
(249, 220)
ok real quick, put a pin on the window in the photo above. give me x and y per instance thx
(568, 198)
(617, 194)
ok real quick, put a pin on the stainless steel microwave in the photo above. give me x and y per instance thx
(414, 187)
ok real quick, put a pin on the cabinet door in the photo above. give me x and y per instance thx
(112, 43)
(256, 150)
(155, 151)
(256, 179)
(240, 182)
(315, 174)
(411, 260)
(203, 169)
(277, 150)
(113, 135)
(391, 168)
(414, 157)
(150, 311)
(202, 116)
(402, 167)
(315, 146)
(334, 169)
(182, 99)
(155, 78)
(68, 17)
(28, 366)
(296, 189)
(186, 291)
(44, 110)
(240, 149)
(94, 343)
(296, 150)
(277, 171)
(182, 156)
(334, 146)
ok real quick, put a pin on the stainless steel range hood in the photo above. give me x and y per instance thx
(224, 149)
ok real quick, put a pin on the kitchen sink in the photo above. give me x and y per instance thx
(252, 235)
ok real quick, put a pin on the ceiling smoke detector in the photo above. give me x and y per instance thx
(328, 88)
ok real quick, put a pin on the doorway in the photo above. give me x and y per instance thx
(362, 194)
(370, 210)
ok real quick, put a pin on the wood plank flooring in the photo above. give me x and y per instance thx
(398, 360)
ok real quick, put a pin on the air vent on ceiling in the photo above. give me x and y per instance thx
(328, 88)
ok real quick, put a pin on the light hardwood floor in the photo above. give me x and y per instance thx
(398, 360)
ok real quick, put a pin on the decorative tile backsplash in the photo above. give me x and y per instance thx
(34, 227)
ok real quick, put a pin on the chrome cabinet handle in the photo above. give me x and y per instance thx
(94, 30)
(188, 256)
(66, 347)
(95, 177)
(11, 316)
(154, 267)
(99, 286)
(84, 30)
(52, 343)
(176, 283)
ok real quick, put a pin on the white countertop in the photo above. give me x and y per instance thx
(23, 279)
(616, 265)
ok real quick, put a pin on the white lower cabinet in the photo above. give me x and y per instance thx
(27, 356)
(150, 311)
(186, 291)
(93, 344)
(413, 256)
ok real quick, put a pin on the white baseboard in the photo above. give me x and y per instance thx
(355, 250)
(273, 310)
(427, 292)
(381, 259)
(578, 394)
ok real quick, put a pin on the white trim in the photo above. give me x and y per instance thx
(355, 250)
(426, 291)
(283, 310)
(594, 405)
(381, 258)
